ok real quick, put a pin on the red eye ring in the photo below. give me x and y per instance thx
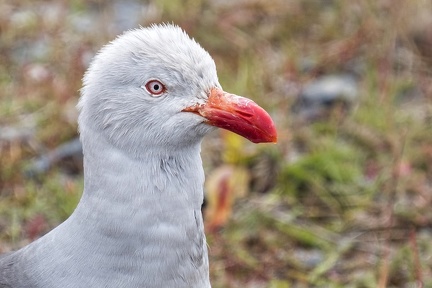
(155, 87)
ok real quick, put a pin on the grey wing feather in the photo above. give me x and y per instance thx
(11, 275)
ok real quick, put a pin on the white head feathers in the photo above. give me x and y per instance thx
(114, 103)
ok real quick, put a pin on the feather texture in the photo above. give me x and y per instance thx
(139, 221)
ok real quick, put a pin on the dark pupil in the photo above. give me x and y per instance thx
(156, 87)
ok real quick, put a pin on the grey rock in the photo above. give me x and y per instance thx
(323, 93)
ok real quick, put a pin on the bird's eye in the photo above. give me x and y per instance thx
(155, 88)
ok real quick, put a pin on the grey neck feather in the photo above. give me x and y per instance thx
(138, 224)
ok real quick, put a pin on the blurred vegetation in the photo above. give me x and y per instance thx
(343, 200)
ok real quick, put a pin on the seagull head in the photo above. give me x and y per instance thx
(157, 87)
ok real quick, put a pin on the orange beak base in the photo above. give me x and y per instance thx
(237, 114)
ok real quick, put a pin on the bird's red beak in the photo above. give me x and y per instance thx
(237, 114)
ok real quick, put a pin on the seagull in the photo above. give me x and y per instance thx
(148, 99)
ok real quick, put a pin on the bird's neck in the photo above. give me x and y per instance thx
(144, 214)
(155, 184)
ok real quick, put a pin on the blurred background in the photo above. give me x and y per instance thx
(342, 200)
